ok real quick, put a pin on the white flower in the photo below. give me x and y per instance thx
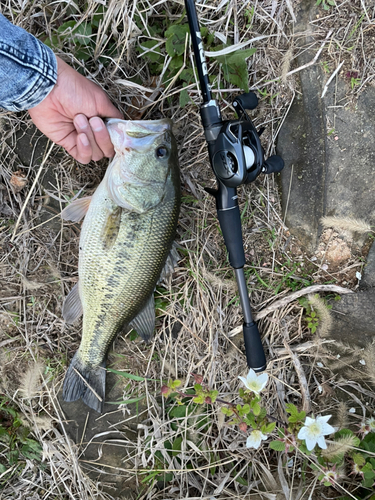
(254, 382)
(254, 440)
(371, 423)
(314, 431)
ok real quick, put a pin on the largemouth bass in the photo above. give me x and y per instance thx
(125, 243)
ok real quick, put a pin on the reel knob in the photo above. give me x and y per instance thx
(273, 164)
(248, 100)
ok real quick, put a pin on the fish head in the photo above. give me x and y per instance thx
(145, 159)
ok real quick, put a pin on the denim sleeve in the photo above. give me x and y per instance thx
(28, 68)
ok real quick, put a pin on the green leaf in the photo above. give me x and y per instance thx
(270, 427)
(176, 62)
(176, 446)
(68, 25)
(241, 480)
(187, 75)
(179, 411)
(128, 375)
(291, 409)
(32, 450)
(199, 399)
(256, 409)
(277, 445)
(13, 457)
(176, 37)
(246, 408)
(213, 395)
(262, 414)
(235, 67)
(153, 56)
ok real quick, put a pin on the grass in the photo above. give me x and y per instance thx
(179, 452)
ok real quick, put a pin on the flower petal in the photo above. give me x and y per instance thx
(303, 433)
(243, 380)
(251, 376)
(324, 418)
(327, 429)
(309, 421)
(310, 443)
(263, 379)
(322, 442)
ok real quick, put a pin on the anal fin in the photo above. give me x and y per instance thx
(170, 263)
(72, 307)
(144, 323)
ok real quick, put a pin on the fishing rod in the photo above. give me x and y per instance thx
(236, 157)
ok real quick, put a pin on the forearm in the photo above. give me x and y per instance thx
(28, 68)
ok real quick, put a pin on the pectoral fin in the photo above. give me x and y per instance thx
(144, 323)
(77, 209)
(72, 307)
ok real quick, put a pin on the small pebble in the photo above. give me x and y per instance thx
(352, 410)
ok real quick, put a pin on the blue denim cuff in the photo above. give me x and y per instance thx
(28, 68)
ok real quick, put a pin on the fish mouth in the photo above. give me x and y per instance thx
(136, 134)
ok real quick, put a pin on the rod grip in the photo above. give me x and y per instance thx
(255, 356)
(230, 224)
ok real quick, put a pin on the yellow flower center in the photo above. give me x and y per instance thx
(315, 429)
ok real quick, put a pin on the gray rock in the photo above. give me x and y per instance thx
(354, 318)
(368, 279)
(327, 171)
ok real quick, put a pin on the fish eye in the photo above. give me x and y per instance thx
(162, 152)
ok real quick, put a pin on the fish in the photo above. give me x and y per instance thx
(126, 245)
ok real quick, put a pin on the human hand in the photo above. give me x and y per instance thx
(70, 115)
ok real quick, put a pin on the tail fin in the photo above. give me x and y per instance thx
(85, 383)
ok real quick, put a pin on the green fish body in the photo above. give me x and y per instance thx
(125, 242)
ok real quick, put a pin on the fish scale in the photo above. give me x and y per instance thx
(141, 263)
(126, 238)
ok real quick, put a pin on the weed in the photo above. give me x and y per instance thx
(16, 442)
(326, 4)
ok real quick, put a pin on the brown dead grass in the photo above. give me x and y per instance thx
(196, 333)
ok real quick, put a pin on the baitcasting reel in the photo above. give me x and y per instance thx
(236, 157)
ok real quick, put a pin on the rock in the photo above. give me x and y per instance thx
(368, 279)
(327, 172)
(354, 318)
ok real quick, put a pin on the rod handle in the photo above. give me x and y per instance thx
(255, 356)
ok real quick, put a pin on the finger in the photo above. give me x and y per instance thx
(83, 152)
(82, 126)
(105, 108)
(102, 137)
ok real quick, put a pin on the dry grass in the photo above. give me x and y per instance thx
(39, 266)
